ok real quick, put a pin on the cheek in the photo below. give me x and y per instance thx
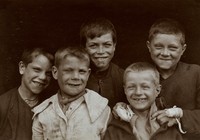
(111, 50)
(128, 94)
(155, 52)
(90, 51)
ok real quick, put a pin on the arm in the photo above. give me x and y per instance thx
(107, 117)
(191, 117)
(37, 129)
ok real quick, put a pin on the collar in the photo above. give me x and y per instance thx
(95, 104)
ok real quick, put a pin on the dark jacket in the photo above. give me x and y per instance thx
(121, 130)
(183, 90)
(108, 84)
(15, 117)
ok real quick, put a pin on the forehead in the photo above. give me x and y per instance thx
(104, 37)
(40, 61)
(167, 37)
(73, 60)
(146, 75)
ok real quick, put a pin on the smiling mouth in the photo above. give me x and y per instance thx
(101, 58)
(140, 99)
(39, 84)
(165, 59)
(74, 85)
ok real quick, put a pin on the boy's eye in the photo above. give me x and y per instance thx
(158, 46)
(36, 69)
(92, 46)
(145, 87)
(82, 71)
(108, 45)
(173, 48)
(67, 70)
(130, 87)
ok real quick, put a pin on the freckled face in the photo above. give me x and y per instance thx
(166, 50)
(101, 50)
(72, 75)
(36, 75)
(140, 89)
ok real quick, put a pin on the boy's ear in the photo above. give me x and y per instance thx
(148, 45)
(184, 48)
(89, 71)
(22, 67)
(55, 72)
(114, 45)
(158, 89)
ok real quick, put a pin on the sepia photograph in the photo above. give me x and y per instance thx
(100, 70)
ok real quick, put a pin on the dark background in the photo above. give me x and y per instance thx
(56, 23)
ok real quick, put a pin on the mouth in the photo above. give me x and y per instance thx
(39, 84)
(101, 58)
(164, 59)
(140, 99)
(74, 85)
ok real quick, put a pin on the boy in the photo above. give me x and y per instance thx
(180, 81)
(99, 38)
(141, 86)
(15, 106)
(74, 113)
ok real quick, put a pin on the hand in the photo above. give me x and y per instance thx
(162, 117)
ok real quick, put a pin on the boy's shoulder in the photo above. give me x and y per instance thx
(93, 97)
(44, 105)
(187, 66)
(96, 104)
(116, 68)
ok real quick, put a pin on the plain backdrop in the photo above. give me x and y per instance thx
(55, 23)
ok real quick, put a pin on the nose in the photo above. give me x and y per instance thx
(100, 49)
(165, 52)
(42, 76)
(138, 91)
(75, 75)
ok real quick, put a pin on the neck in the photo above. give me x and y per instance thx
(64, 98)
(166, 73)
(26, 94)
(96, 69)
(142, 114)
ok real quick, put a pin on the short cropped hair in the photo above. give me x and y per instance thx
(142, 66)
(78, 52)
(167, 26)
(96, 28)
(30, 53)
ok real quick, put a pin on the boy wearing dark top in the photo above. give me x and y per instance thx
(99, 38)
(16, 104)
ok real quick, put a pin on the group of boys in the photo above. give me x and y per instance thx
(81, 109)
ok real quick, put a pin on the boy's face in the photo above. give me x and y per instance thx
(101, 50)
(36, 75)
(141, 90)
(166, 50)
(72, 75)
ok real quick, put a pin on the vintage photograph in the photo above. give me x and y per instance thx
(99, 70)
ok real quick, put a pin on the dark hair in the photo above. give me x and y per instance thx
(31, 53)
(167, 26)
(78, 52)
(96, 28)
(142, 66)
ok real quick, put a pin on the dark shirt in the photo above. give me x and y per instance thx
(15, 117)
(108, 84)
(183, 90)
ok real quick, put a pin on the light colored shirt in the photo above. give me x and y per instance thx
(86, 119)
